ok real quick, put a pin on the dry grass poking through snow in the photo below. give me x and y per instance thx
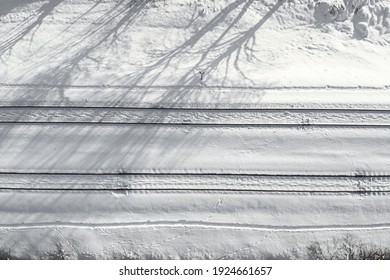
(347, 247)
(6, 254)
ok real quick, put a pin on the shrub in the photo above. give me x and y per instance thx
(346, 248)
(126, 256)
(58, 253)
(6, 254)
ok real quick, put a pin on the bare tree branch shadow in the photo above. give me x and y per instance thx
(228, 49)
(8, 6)
(104, 33)
(240, 43)
(29, 25)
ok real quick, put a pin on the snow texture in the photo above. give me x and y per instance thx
(193, 128)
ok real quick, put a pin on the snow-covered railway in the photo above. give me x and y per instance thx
(197, 183)
(108, 115)
(192, 129)
(166, 174)
(178, 172)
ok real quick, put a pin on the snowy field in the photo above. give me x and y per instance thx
(218, 129)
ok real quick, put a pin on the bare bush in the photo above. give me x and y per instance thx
(125, 255)
(346, 248)
(6, 254)
(58, 253)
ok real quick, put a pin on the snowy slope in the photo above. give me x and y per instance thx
(193, 128)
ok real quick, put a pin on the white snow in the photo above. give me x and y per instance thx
(235, 43)
(193, 128)
(169, 149)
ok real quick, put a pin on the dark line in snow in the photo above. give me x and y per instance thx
(200, 190)
(202, 124)
(103, 86)
(157, 108)
(198, 224)
(196, 174)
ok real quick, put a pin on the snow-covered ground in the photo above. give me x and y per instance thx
(193, 128)
(265, 43)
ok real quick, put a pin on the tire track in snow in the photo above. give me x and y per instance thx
(198, 225)
(265, 117)
(195, 183)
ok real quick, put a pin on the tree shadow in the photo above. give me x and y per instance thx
(230, 48)
(99, 38)
(127, 148)
(29, 25)
(104, 33)
(95, 43)
(8, 6)
(91, 46)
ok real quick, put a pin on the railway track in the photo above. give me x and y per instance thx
(222, 183)
(281, 135)
(275, 117)
(186, 171)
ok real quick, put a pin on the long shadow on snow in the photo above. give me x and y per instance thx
(29, 25)
(233, 48)
(105, 32)
(7, 6)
